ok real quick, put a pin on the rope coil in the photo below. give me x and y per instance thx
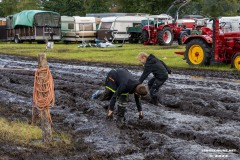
(43, 91)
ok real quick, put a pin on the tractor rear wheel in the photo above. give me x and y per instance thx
(165, 36)
(236, 61)
(182, 37)
(198, 53)
(144, 36)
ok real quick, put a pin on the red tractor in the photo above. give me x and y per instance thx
(214, 46)
(165, 32)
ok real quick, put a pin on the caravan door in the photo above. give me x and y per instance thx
(105, 30)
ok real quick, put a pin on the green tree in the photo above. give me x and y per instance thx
(151, 7)
(209, 8)
(66, 7)
(97, 6)
(1, 10)
(28, 5)
(216, 8)
(213, 8)
(9, 7)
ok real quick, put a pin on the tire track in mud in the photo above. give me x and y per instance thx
(197, 115)
(201, 131)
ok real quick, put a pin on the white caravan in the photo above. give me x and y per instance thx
(76, 28)
(228, 24)
(115, 28)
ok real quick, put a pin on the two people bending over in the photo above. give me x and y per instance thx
(120, 83)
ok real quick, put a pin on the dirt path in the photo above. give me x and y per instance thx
(199, 115)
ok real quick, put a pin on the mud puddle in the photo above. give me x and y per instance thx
(199, 116)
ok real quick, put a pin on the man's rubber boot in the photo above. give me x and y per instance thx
(121, 112)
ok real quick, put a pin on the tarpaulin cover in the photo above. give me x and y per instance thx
(34, 17)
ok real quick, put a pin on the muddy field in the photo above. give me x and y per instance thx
(199, 115)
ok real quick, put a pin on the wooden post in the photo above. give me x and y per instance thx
(45, 124)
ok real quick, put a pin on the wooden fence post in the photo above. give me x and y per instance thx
(45, 123)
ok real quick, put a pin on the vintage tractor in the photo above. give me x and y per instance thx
(136, 31)
(149, 31)
(138, 34)
(165, 33)
(214, 46)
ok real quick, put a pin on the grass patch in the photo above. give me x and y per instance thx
(119, 55)
(23, 134)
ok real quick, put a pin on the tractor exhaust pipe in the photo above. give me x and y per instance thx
(215, 40)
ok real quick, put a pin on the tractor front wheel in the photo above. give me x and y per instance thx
(165, 36)
(236, 61)
(198, 53)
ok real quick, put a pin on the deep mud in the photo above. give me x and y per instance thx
(199, 115)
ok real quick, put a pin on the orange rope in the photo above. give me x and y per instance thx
(43, 91)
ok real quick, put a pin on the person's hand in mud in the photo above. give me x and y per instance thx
(109, 115)
(140, 115)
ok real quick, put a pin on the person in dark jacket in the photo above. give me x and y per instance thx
(119, 83)
(160, 73)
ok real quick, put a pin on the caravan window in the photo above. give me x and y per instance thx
(106, 25)
(85, 26)
(70, 26)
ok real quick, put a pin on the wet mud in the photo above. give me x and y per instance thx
(198, 116)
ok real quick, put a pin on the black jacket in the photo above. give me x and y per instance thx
(155, 66)
(121, 82)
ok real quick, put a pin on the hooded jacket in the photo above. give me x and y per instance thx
(121, 82)
(155, 66)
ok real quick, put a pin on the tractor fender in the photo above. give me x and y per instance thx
(162, 26)
(205, 38)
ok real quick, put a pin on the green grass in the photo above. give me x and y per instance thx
(119, 55)
(21, 133)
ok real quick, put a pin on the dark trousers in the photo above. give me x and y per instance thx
(154, 85)
(106, 95)
(121, 102)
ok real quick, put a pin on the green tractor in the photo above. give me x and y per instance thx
(135, 32)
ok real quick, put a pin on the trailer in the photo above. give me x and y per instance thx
(76, 28)
(34, 25)
(3, 31)
(115, 28)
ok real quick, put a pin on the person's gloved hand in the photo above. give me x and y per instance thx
(140, 115)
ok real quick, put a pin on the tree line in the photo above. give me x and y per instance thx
(207, 8)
